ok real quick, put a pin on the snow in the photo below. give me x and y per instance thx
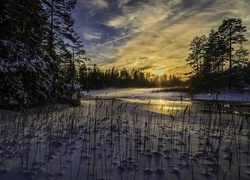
(134, 93)
(76, 87)
(131, 136)
(152, 93)
(224, 96)
(74, 96)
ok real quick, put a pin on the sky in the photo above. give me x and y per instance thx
(150, 35)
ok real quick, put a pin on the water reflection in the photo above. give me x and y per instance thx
(161, 105)
(171, 102)
(182, 106)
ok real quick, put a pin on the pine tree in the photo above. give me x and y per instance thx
(25, 73)
(213, 60)
(63, 42)
(231, 30)
(34, 46)
(196, 57)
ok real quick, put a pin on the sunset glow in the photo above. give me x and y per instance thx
(152, 36)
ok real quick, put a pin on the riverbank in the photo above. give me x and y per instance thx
(161, 93)
(115, 139)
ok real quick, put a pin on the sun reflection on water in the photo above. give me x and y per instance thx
(160, 105)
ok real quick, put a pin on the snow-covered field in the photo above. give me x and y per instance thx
(140, 135)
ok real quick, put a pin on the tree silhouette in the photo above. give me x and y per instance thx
(38, 45)
(231, 31)
(214, 60)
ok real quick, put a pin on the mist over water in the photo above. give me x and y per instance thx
(155, 100)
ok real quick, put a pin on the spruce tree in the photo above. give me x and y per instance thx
(34, 46)
(63, 43)
(25, 67)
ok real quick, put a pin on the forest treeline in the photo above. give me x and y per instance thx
(42, 57)
(94, 78)
(43, 60)
(220, 61)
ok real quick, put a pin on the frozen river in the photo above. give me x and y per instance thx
(153, 99)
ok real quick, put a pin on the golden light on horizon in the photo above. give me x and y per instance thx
(151, 36)
(159, 71)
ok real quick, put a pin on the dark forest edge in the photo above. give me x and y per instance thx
(94, 78)
(43, 60)
(220, 61)
(39, 52)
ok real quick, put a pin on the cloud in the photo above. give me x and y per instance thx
(115, 40)
(155, 35)
(91, 35)
(122, 3)
(93, 4)
(100, 4)
(118, 22)
(142, 16)
(166, 45)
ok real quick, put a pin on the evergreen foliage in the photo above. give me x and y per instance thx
(37, 46)
(220, 60)
(94, 78)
